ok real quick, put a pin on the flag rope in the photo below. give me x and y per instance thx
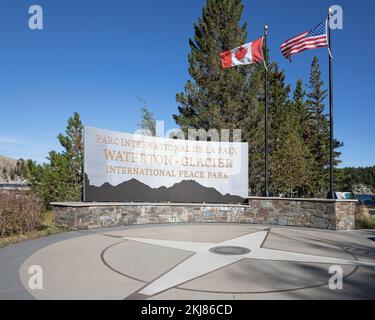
(265, 66)
(330, 53)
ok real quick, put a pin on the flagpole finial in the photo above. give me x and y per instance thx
(330, 12)
(266, 29)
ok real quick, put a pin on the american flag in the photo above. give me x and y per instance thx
(315, 38)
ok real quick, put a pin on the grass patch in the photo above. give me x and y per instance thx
(365, 220)
(367, 223)
(48, 228)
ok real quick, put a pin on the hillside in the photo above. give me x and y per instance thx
(7, 162)
(9, 170)
(361, 180)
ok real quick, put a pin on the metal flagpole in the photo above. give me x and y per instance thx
(331, 194)
(266, 149)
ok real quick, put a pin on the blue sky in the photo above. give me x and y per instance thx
(97, 57)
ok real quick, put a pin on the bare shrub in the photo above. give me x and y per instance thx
(19, 213)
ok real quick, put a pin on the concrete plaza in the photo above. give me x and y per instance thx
(199, 261)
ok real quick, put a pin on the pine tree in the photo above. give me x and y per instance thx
(5, 173)
(317, 94)
(72, 142)
(12, 174)
(320, 135)
(148, 121)
(290, 160)
(234, 98)
(300, 112)
(279, 104)
(290, 165)
(252, 126)
(215, 98)
(62, 178)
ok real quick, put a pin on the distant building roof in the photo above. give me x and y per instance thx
(14, 186)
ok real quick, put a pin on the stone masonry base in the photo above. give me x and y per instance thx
(312, 213)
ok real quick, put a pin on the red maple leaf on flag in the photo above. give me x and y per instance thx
(241, 53)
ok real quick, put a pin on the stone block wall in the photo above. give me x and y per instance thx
(313, 213)
(322, 214)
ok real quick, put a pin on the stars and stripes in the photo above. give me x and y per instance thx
(316, 38)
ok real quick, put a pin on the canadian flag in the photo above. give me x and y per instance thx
(247, 54)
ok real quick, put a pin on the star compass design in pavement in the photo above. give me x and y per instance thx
(208, 257)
